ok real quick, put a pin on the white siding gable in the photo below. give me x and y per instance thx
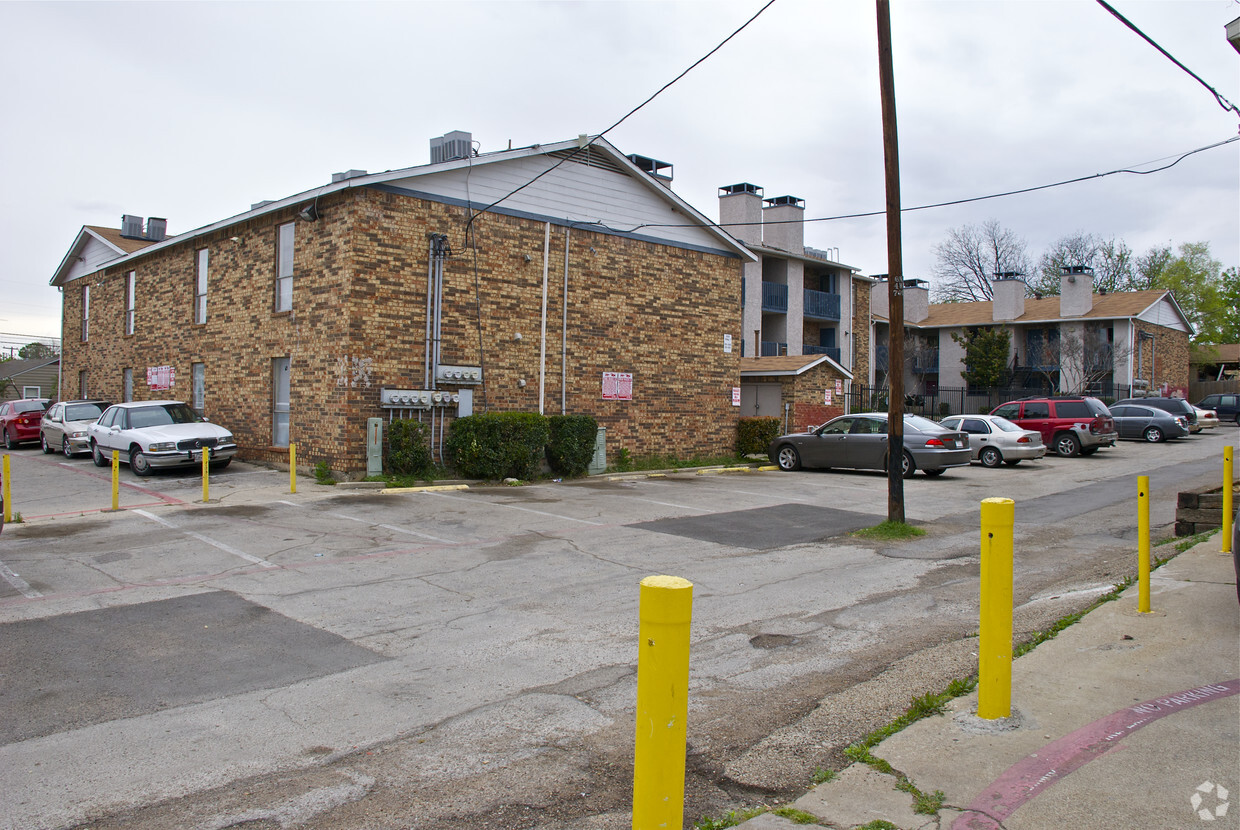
(91, 255)
(1163, 313)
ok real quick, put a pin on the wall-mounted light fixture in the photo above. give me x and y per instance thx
(310, 212)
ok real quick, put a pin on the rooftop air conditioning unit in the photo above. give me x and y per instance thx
(131, 226)
(454, 145)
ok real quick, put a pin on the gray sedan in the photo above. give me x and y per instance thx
(859, 442)
(1148, 423)
(995, 440)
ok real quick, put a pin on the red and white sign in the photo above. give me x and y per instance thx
(839, 386)
(160, 377)
(736, 396)
(826, 397)
(617, 386)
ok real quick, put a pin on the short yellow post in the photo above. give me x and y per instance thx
(206, 474)
(1228, 483)
(292, 468)
(662, 703)
(8, 493)
(994, 648)
(1143, 544)
(116, 480)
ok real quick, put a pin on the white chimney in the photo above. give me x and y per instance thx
(740, 211)
(1076, 290)
(1009, 298)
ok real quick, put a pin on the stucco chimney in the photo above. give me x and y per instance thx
(1076, 290)
(1009, 298)
(741, 205)
(916, 300)
(783, 224)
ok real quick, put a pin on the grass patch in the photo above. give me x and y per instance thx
(626, 463)
(890, 531)
(796, 816)
(323, 474)
(16, 518)
(822, 776)
(1194, 540)
(731, 819)
(878, 824)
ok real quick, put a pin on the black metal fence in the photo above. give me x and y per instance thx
(946, 401)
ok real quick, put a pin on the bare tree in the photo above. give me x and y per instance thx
(1110, 259)
(970, 257)
(1077, 362)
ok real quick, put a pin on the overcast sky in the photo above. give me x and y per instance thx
(192, 111)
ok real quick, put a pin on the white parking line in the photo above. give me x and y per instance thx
(522, 509)
(669, 504)
(17, 582)
(394, 528)
(209, 541)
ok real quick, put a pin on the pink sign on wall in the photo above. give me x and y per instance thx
(617, 386)
(160, 377)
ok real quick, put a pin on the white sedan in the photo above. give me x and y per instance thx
(150, 434)
(995, 440)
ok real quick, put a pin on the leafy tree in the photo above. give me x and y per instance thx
(1150, 267)
(970, 257)
(1195, 278)
(1229, 293)
(34, 351)
(1110, 259)
(986, 353)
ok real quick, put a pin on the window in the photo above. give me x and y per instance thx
(85, 312)
(284, 267)
(199, 371)
(131, 280)
(280, 408)
(1037, 410)
(32, 391)
(82, 384)
(127, 385)
(1072, 409)
(200, 288)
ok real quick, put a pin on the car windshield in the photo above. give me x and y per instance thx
(159, 416)
(29, 406)
(83, 411)
(1005, 425)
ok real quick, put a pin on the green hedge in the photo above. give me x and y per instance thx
(409, 452)
(499, 445)
(754, 435)
(570, 447)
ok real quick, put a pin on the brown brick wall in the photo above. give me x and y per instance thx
(359, 321)
(1165, 361)
(805, 393)
(861, 333)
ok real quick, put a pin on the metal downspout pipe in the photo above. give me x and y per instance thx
(542, 340)
(564, 332)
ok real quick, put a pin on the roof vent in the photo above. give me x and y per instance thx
(457, 144)
(156, 229)
(131, 226)
(743, 187)
(348, 174)
(653, 167)
(1075, 269)
(785, 200)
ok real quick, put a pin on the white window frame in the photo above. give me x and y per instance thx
(131, 284)
(127, 384)
(85, 313)
(200, 286)
(198, 375)
(285, 242)
(281, 407)
(32, 391)
(82, 384)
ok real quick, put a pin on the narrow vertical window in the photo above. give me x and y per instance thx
(127, 385)
(200, 288)
(200, 386)
(85, 313)
(284, 267)
(280, 406)
(82, 384)
(131, 280)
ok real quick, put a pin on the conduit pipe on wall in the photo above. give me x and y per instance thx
(430, 292)
(542, 347)
(564, 332)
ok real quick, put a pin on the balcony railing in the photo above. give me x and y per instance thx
(832, 352)
(927, 361)
(819, 305)
(773, 348)
(775, 297)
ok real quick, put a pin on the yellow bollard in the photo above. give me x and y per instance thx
(1228, 484)
(1143, 544)
(994, 647)
(662, 702)
(292, 468)
(8, 493)
(206, 474)
(116, 480)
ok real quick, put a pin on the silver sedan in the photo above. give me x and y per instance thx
(995, 440)
(859, 442)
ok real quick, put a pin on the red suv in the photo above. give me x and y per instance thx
(1069, 425)
(20, 419)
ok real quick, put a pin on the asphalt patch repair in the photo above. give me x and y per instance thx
(75, 670)
(764, 528)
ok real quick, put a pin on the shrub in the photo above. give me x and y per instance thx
(499, 445)
(570, 447)
(323, 473)
(409, 452)
(754, 435)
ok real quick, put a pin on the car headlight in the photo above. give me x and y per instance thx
(162, 446)
(227, 439)
(78, 433)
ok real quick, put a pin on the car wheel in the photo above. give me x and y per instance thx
(907, 465)
(1067, 445)
(990, 457)
(934, 473)
(1153, 435)
(97, 455)
(43, 443)
(219, 465)
(138, 462)
(65, 448)
(788, 458)
(1013, 462)
(9, 443)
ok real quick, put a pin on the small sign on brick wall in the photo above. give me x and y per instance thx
(736, 396)
(617, 386)
(160, 377)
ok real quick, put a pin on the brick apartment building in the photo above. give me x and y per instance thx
(593, 290)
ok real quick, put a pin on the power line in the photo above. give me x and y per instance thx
(1222, 102)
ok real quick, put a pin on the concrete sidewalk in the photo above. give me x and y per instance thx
(1123, 720)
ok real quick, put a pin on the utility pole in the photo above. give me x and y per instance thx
(895, 272)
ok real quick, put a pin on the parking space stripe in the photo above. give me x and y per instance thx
(394, 528)
(22, 586)
(514, 507)
(209, 541)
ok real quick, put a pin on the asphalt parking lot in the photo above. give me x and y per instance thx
(464, 632)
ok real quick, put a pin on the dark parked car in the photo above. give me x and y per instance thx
(1226, 406)
(19, 420)
(859, 442)
(1069, 425)
(1176, 406)
(1141, 422)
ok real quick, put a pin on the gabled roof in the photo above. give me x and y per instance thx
(93, 247)
(790, 364)
(600, 155)
(15, 368)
